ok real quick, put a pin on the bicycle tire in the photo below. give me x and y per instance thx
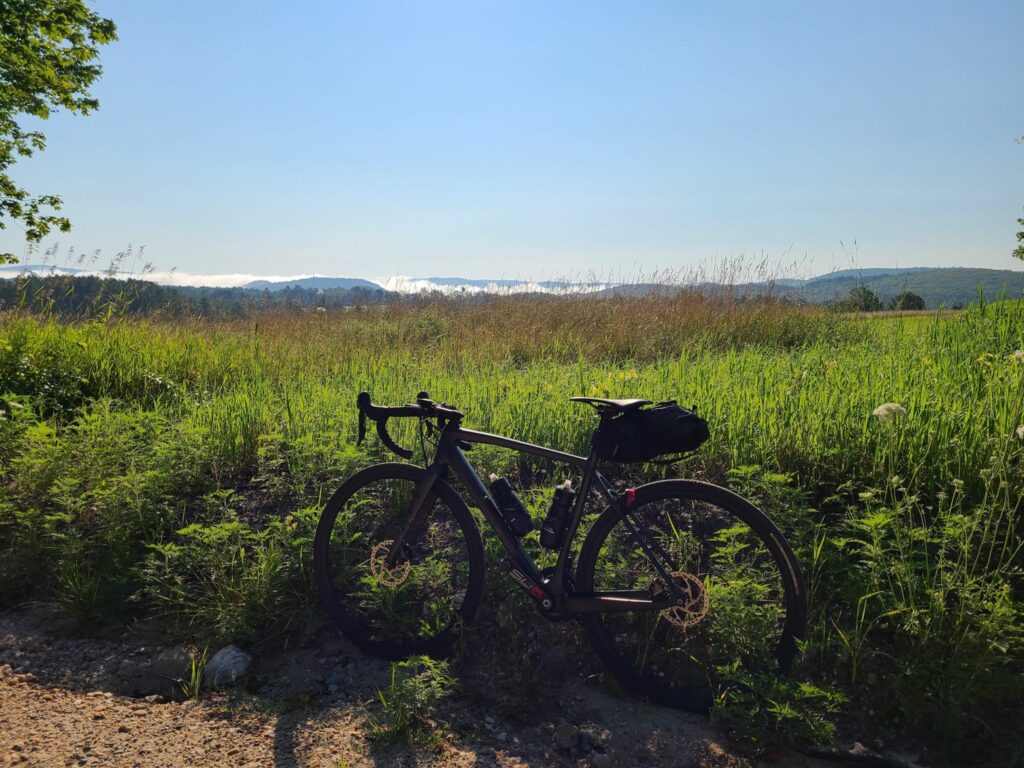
(689, 657)
(382, 618)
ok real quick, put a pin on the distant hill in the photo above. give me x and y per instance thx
(314, 283)
(863, 274)
(937, 286)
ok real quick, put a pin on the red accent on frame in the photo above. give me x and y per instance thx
(537, 592)
(630, 497)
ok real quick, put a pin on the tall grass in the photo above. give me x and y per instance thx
(909, 527)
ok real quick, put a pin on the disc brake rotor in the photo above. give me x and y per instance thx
(389, 577)
(695, 602)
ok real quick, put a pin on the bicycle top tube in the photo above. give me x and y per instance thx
(473, 436)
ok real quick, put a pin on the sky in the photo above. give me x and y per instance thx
(545, 139)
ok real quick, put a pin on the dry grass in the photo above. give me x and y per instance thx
(526, 328)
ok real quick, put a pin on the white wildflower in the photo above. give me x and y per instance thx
(1018, 356)
(321, 310)
(1020, 432)
(887, 411)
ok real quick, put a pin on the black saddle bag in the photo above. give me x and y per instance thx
(642, 435)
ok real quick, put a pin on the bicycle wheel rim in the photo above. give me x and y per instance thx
(752, 591)
(415, 606)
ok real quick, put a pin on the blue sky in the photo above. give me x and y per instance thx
(539, 139)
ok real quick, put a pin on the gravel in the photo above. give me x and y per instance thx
(74, 701)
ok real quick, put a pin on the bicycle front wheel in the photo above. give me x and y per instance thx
(745, 601)
(415, 605)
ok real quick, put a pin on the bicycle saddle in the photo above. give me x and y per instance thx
(615, 406)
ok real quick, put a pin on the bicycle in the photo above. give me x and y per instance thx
(674, 579)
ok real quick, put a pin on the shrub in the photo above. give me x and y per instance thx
(82, 504)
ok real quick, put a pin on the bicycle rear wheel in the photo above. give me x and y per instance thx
(745, 594)
(416, 605)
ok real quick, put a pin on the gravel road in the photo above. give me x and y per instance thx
(66, 700)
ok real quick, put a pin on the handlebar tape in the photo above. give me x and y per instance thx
(385, 438)
(380, 416)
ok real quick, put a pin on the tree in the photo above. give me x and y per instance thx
(861, 299)
(48, 52)
(906, 301)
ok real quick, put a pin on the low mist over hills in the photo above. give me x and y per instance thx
(938, 286)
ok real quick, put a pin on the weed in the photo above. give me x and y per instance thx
(771, 712)
(192, 687)
(406, 710)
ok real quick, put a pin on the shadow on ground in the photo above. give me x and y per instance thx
(305, 706)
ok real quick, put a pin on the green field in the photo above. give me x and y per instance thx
(176, 469)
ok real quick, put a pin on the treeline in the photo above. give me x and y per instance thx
(75, 296)
(863, 299)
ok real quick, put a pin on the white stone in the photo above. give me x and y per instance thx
(226, 666)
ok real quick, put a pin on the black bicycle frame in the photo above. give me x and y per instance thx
(551, 593)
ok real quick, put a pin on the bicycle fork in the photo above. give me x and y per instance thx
(518, 564)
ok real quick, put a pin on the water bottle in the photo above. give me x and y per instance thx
(510, 506)
(553, 530)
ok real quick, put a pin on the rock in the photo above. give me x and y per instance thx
(160, 675)
(602, 760)
(859, 750)
(566, 736)
(226, 666)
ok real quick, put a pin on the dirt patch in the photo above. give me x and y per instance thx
(68, 701)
